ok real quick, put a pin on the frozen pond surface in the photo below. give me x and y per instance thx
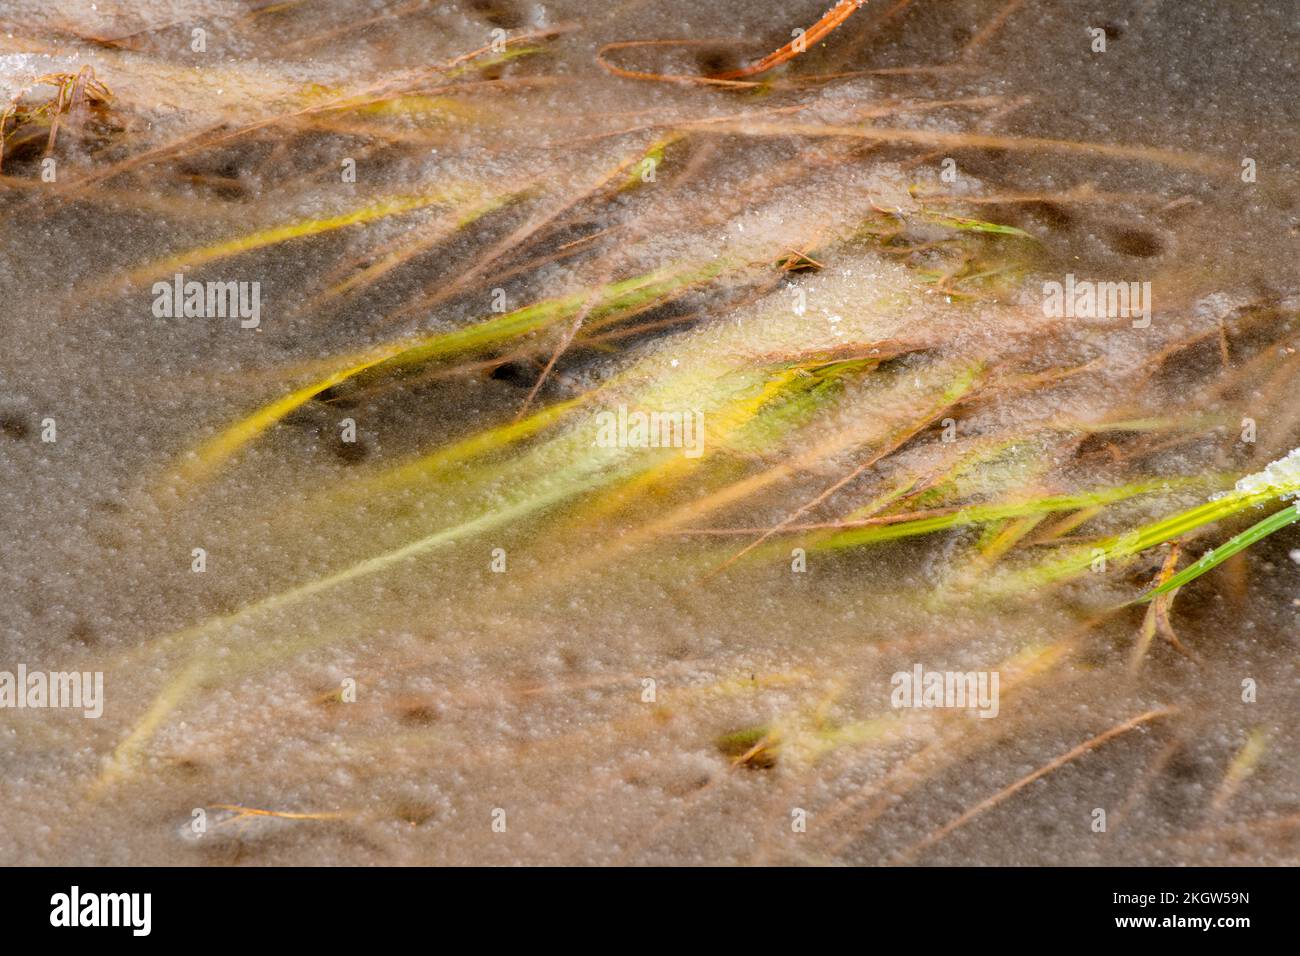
(421, 611)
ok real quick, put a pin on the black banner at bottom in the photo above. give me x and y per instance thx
(334, 906)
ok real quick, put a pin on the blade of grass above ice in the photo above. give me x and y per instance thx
(1212, 559)
(1280, 479)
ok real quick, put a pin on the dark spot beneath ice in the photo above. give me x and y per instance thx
(1187, 767)
(1113, 30)
(420, 715)
(499, 13)
(1138, 243)
(82, 633)
(688, 784)
(414, 813)
(1236, 844)
(11, 426)
(340, 395)
(715, 60)
(1054, 216)
(1096, 657)
(351, 452)
(520, 374)
(302, 417)
(1101, 445)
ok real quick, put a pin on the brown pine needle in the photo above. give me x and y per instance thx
(281, 814)
(823, 525)
(800, 44)
(734, 78)
(560, 348)
(602, 58)
(1157, 616)
(950, 140)
(1010, 791)
(994, 25)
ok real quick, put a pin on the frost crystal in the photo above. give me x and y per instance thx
(1282, 475)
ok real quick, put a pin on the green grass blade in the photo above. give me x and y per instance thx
(986, 514)
(1212, 559)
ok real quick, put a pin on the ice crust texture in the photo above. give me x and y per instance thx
(478, 690)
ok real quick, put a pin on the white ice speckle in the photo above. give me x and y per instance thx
(1282, 476)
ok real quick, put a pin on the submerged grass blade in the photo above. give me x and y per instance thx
(967, 224)
(475, 446)
(986, 514)
(1242, 767)
(392, 206)
(202, 462)
(125, 754)
(615, 301)
(964, 384)
(403, 254)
